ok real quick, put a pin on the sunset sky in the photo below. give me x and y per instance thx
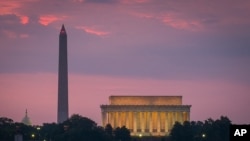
(199, 49)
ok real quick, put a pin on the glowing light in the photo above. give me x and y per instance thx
(203, 135)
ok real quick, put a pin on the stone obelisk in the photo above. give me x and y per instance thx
(62, 111)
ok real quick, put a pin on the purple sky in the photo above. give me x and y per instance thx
(195, 48)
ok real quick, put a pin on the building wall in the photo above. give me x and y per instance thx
(145, 100)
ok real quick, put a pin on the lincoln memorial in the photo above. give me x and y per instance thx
(145, 115)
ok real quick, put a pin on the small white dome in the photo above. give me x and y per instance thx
(26, 120)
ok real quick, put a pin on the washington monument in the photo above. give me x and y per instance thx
(62, 111)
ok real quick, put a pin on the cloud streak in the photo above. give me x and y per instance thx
(93, 31)
(173, 21)
(48, 19)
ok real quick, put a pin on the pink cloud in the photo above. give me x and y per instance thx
(172, 20)
(47, 19)
(7, 7)
(134, 1)
(10, 34)
(180, 23)
(92, 30)
(24, 19)
(197, 16)
(80, 1)
(23, 35)
(143, 15)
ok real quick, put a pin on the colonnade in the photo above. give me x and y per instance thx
(145, 121)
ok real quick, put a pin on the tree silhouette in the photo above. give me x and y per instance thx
(80, 128)
(109, 131)
(9, 128)
(210, 130)
(122, 134)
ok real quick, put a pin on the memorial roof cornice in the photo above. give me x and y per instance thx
(144, 108)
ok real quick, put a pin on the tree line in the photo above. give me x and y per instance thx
(209, 130)
(78, 128)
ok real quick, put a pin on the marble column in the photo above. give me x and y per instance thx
(135, 122)
(181, 117)
(178, 115)
(104, 119)
(170, 120)
(158, 122)
(173, 118)
(166, 122)
(116, 119)
(119, 118)
(185, 116)
(127, 120)
(162, 120)
(146, 121)
(138, 120)
(130, 116)
(112, 121)
(141, 120)
(150, 122)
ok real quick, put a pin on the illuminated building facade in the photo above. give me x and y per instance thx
(145, 115)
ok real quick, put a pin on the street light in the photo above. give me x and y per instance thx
(203, 135)
(38, 129)
(33, 136)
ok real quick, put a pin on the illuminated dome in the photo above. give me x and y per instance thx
(26, 119)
